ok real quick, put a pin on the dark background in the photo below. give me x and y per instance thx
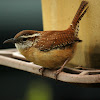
(17, 15)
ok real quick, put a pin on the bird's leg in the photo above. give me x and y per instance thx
(41, 70)
(59, 70)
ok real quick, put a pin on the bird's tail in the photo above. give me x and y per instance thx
(79, 14)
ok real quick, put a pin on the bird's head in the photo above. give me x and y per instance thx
(24, 39)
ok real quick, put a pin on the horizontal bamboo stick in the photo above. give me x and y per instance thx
(65, 77)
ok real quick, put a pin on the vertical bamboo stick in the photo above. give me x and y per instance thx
(58, 14)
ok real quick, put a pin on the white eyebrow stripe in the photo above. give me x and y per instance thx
(33, 35)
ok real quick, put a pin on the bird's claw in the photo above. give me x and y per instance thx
(41, 70)
(57, 73)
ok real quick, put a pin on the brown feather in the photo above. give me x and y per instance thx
(55, 39)
(25, 33)
(79, 13)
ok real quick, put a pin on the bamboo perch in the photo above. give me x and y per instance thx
(83, 77)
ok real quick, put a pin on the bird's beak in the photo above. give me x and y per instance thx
(12, 40)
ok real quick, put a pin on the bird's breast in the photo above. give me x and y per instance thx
(50, 59)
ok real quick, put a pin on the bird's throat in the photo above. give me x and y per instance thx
(24, 45)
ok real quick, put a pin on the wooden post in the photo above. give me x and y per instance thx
(58, 14)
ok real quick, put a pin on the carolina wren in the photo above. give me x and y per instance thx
(50, 49)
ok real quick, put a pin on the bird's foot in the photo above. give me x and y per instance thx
(61, 68)
(57, 73)
(42, 70)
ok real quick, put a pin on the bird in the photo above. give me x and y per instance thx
(50, 49)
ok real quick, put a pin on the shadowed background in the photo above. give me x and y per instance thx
(17, 15)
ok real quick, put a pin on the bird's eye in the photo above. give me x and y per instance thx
(24, 39)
